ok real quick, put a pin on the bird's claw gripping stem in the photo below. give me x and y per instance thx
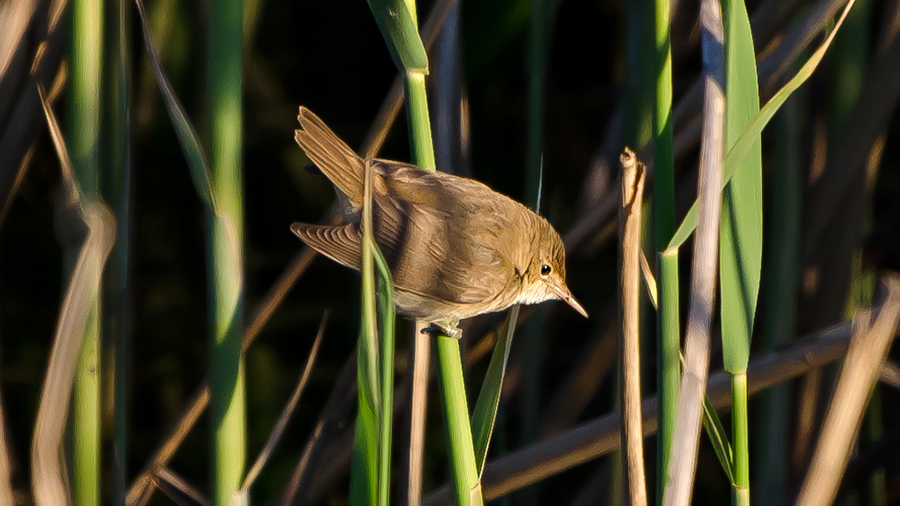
(443, 328)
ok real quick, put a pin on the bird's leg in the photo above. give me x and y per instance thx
(444, 328)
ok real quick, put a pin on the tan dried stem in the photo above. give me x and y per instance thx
(288, 410)
(48, 475)
(632, 440)
(868, 351)
(683, 464)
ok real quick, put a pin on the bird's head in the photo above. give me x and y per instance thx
(545, 277)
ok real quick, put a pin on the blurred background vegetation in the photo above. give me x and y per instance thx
(330, 57)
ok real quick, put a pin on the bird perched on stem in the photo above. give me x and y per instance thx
(455, 248)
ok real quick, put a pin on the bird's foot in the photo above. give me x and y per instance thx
(446, 328)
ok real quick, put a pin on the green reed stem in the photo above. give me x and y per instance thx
(225, 239)
(464, 473)
(668, 325)
(420, 145)
(458, 427)
(386, 333)
(85, 86)
(740, 489)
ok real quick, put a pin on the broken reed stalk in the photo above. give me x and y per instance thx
(633, 176)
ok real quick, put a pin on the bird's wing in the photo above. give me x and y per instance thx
(332, 155)
(451, 241)
(340, 243)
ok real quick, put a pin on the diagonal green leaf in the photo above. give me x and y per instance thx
(187, 136)
(716, 433)
(398, 26)
(742, 146)
(365, 472)
(485, 414)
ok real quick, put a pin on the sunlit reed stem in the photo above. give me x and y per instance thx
(85, 86)
(225, 248)
(668, 325)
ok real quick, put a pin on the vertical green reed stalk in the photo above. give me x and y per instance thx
(83, 121)
(740, 250)
(397, 21)
(225, 245)
(668, 326)
(117, 192)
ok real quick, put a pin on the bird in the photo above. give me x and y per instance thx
(455, 248)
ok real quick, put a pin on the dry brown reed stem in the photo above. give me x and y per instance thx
(632, 438)
(868, 351)
(36, 59)
(48, 475)
(683, 464)
(287, 411)
(142, 487)
(179, 490)
(341, 399)
(420, 352)
(890, 374)
(7, 496)
(601, 435)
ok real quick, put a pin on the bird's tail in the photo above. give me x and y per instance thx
(342, 166)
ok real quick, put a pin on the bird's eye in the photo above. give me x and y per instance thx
(546, 270)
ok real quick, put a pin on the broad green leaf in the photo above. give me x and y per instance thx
(740, 233)
(485, 414)
(398, 26)
(742, 146)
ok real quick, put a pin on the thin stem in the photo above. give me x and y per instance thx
(420, 145)
(464, 474)
(452, 387)
(629, 327)
(740, 490)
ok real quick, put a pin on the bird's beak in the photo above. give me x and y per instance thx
(563, 293)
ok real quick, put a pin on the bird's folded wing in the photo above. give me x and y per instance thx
(340, 243)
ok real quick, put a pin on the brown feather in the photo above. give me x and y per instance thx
(340, 243)
(333, 157)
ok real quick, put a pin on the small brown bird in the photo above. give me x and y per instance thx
(455, 247)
